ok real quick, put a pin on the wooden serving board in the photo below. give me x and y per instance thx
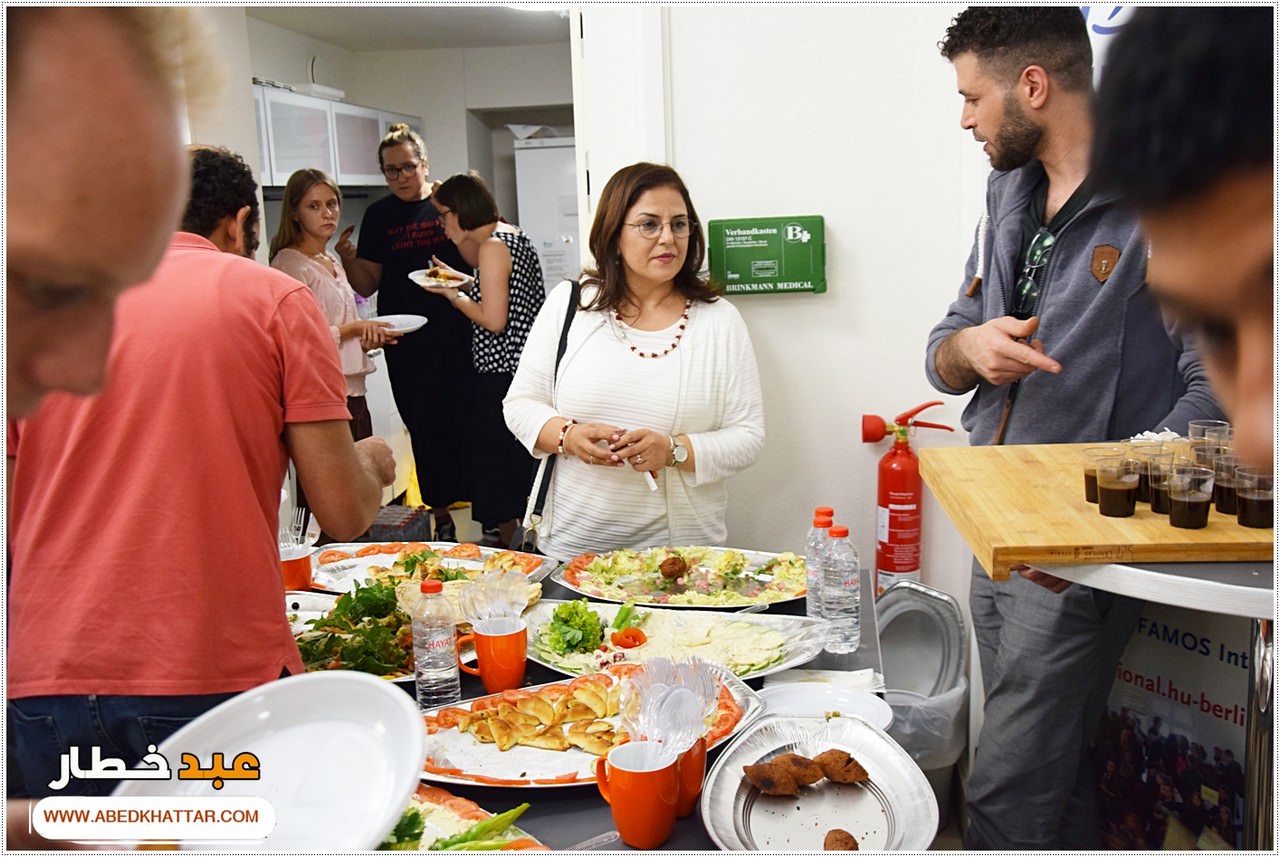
(1025, 504)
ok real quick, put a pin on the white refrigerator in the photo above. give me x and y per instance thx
(547, 196)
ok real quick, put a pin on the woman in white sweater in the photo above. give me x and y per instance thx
(659, 378)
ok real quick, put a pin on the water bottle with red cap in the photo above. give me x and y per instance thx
(842, 592)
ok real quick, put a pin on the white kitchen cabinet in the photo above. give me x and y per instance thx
(356, 134)
(264, 149)
(299, 133)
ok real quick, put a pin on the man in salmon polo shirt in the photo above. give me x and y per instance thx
(145, 583)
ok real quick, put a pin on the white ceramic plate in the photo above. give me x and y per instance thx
(641, 589)
(339, 755)
(688, 634)
(341, 575)
(402, 323)
(458, 757)
(807, 699)
(420, 277)
(895, 810)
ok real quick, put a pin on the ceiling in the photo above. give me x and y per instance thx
(410, 27)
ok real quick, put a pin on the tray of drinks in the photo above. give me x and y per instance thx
(1026, 504)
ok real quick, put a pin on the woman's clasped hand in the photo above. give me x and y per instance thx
(611, 446)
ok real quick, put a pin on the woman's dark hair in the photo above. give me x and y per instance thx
(468, 197)
(299, 185)
(221, 184)
(620, 193)
(399, 134)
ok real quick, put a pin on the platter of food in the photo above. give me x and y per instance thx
(437, 276)
(364, 630)
(789, 783)
(550, 735)
(367, 629)
(436, 820)
(749, 645)
(337, 567)
(703, 577)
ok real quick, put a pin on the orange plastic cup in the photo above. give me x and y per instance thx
(640, 783)
(295, 565)
(691, 770)
(501, 653)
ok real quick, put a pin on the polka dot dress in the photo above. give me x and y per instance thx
(500, 352)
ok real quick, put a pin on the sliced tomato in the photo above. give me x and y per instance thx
(727, 715)
(465, 550)
(628, 638)
(369, 550)
(332, 555)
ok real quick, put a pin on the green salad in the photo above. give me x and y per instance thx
(365, 631)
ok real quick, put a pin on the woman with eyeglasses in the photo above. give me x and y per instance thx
(430, 369)
(310, 212)
(657, 398)
(501, 305)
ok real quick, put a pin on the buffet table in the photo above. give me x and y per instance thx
(565, 816)
(1224, 568)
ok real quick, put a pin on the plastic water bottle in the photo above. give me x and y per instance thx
(842, 592)
(435, 649)
(815, 547)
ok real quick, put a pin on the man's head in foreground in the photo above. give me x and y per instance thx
(96, 183)
(1185, 130)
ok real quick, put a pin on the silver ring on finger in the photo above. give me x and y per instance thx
(639, 460)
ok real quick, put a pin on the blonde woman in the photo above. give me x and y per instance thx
(309, 217)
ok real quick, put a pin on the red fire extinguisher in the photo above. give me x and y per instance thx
(898, 497)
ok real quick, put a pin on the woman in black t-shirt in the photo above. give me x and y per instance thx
(432, 377)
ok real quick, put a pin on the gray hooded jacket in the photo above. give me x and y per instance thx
(1123, 370)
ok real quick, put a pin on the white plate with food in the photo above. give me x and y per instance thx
(866, 786)
(437, 820)
(337, 567)
(808, 699)
(749, 646)
(435, 276)
(403, 323)
(536, 746)
(338, 754)
(361, 631)
(698, 576)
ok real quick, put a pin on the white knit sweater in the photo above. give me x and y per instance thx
(708, 388)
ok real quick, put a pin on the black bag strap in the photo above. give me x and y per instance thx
(545, 485)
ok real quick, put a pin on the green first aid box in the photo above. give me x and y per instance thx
(768, 254)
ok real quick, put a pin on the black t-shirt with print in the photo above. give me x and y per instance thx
(402, 237)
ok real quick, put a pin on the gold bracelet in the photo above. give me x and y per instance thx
(564, 430)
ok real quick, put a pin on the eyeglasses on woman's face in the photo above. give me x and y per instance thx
(1026, 293)
(393, 172)
(651, 227)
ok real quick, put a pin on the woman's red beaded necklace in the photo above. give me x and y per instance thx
(684, 320)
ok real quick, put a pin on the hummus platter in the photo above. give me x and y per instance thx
(550, 735)
(705, 577)
(748, 646)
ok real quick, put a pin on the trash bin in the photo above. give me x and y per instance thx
(924, 649)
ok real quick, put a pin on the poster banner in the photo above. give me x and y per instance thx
(1169, 754)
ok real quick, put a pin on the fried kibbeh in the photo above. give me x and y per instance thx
(840, 767)
(805, 770)
(772, 778)
(839, 840)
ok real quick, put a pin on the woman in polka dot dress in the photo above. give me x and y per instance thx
(501, 305)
